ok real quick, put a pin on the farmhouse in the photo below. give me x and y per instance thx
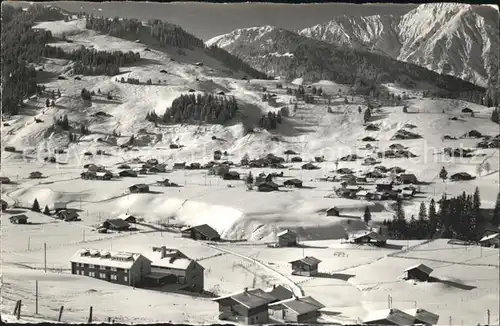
(345, 171)
(170, 266)
(309, 166)
(88, 175)
(492, 240)
(384, 184)
(104, 175)
(296, 310)
(296, 159)
(369, 238)
(370, 161)
(293, 183)
(116, 224)
(231, 175)
(127, 173)
(68, 215)
(290, 152)
(280, 293)
(201, 232)
(217, 155)
(121, 267)
(36, 175)
(249, 307)
(127, 218)
(268, 186)
(287, 238)
(408, 179)
(423, 316)
(333, 211)
(389, 317)
(374, 175)
(19, 219)
(139, 188)
(58, 206)
(419, 272)
(307, 266)
(461, 176)
(179, 166)
(124, 167)
(4, 180)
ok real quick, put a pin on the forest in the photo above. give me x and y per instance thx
(198, 108)
(170, 35)
(93, 62)
(22, 46)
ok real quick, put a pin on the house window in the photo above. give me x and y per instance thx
(113, 277)
(125, 278)
(86, 265)
(92, 274)
(113, 269)
(102, 275)
(126, 271)
(96, 266)
(103, 267)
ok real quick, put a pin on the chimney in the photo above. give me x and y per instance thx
(163, 251)
(274, 286)
(245, 290)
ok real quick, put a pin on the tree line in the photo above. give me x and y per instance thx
(22, 46)
(191, 108)
(458, 217)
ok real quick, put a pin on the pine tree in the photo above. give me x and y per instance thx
(58, 93)
(367, 115)
(36, 206)
(46, 211)
(487, 167)
(476, 208)
(422, 214)
(443, 174)
(496, 212)
(47, 103)
(432, 217)
(367, 216)
(494, 116)
(249, 179)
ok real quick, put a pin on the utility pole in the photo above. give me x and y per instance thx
(83, 236)
(450, 320)
(45, 256)
(29, 240)
(488, 312)
(36, 297)
(415, 302)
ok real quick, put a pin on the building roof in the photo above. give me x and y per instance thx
(206, 230)
(362, 193)
(423, 316)
(408, 176)
(372, 235)
(280, 292)
(250, 298)
(287, 231)
(308, 260)
(117, 222)
(424, 268)
(407, 192)
(293, 181)
(123, 216)
(386, 181)
(395, 316)
(301, 306)
(489, 237)
(105, 258)
(18, 217)
(172, 262)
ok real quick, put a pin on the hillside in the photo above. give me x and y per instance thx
(456, 39)
(289, 55)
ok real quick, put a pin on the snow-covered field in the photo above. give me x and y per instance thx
(362, 277)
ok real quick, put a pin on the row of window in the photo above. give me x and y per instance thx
(113, 277)
(113, 269)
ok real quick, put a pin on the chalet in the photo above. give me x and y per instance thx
(419, 272)
(78, 78)
(397, 170)
(116, 224)
(372, 127)
(389, 317)
(397, 147)
(296, 159)
(249, 307)
(461, 176)
(157, 169)
(293, 183)
(287, 238)
(280, 293)
(472, 134)
(369, 237)
(104, 175)
(220, 169)
(163, 71)
(350, 157)
(127, 218)
(120, 267)
(201, 232)
(374, 175)
(361, 180)
(319, 159)
(231, 175)
(139, 188)
(423, 317)
(36, 175)
(384, 184)
(406, 194)
(268, 186)
(290, 152)
(368, 138)
(217, 155)
(127, 173)
(333, 211)
(67, 215)
(309, 166)
(179, 166)
(152, 161)
(364, 195)
(302, 310)
(9, 149)
(370, 161)
(170, 266)
(492, 240)
(407, 179)
(345, 171)
(307, 266)
(19, 219)
(198, 64)
(4, 180)
(3, 205)
(195, 166)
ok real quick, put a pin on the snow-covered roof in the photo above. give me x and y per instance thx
(301, 306)
(362, 193)
(105, 258)
(394, 316)
(250, 298)
(423, 316)
(123, 216)
(489, 237)
(172, 263)
(308, 260)
(424, 268)
(372, 234)
(286, 232)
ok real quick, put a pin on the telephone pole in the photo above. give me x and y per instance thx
(36, 297)
(45, 256)
(488, 312)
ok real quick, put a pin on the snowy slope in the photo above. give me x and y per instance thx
(448, 38)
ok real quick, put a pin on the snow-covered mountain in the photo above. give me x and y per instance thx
(456, 39)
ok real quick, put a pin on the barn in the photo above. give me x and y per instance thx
(201, 232)
(287, 238)
(303, 310)
(419, 272)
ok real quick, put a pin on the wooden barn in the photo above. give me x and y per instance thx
(201, 232)
(423, 317)
(19, 219)
(280, 293)
(293, 183)
(139, 188)
(333, 211)
(304, 310)
(287, 238)
(369, 237)
(116, 224)
(267, 186)
(307, 266)
(249, 307)
(389, 317)
(419, 272)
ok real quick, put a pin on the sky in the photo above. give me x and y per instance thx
(206, 20)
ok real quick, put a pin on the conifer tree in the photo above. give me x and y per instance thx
(496, 212)
(422, 214)
(443, 174)
(46, 211)
(36, 206)
(494, 116)
(367, 216)
(249, 179)
(367, 115)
